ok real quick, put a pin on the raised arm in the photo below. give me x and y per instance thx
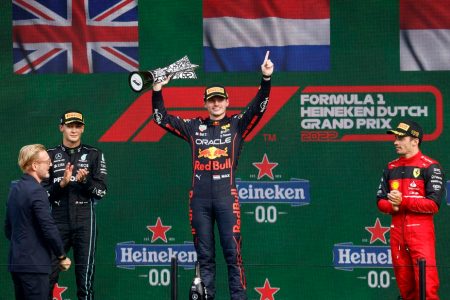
(255, 110)
(171, 123)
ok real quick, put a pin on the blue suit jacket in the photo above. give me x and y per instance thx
(30, 228)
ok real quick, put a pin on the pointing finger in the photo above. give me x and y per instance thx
(267, 56)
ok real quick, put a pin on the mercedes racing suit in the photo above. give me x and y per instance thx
(420, 179)
(73, 209)
(215, 149)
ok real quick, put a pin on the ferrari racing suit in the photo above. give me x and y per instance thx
(420, 179)
(215, 147)
(73, 208)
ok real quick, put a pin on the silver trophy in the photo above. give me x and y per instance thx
(181, 69)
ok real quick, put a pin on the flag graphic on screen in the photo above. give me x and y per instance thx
(237, 34)
(424, 35)
(75, 36)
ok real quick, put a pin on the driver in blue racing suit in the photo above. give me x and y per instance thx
(216, 143)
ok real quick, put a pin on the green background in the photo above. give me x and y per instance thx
(151, 180)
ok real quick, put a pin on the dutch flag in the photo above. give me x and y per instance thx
(237, 34)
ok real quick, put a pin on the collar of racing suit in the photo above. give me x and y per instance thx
(71, 150)
(404, 160)
(222, 121)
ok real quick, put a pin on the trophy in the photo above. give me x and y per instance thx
(181, 69)
(198, 289)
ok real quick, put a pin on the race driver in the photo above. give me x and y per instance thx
(215, 144)
(77, 180)
(411, 190)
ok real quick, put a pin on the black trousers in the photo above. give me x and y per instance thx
(30, 286)
(80, 235)
(225, 212)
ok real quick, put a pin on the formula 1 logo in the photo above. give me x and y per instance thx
(135, 124)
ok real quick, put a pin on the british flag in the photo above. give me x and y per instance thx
(75, 36)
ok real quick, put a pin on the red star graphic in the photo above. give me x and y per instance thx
(159, 231)
(265, 167)
(377, 231)
(267, 291)
(57, 291)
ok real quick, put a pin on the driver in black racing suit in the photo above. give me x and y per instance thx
(77, 180)
(216, 143)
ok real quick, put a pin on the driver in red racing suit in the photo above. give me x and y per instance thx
(216, 143)
(411, 190)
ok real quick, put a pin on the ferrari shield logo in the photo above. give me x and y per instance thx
(416, 172)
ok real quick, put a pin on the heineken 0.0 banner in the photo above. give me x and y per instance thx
(345, 72)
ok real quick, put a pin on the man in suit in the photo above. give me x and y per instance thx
(31, 229)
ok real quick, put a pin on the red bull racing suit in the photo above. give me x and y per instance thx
(215, 149)
(420, 179)
(73, 209)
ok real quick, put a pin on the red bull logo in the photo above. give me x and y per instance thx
(237, 213)
(212, 152)
(212, 165)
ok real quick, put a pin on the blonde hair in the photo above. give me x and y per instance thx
(28, 154)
